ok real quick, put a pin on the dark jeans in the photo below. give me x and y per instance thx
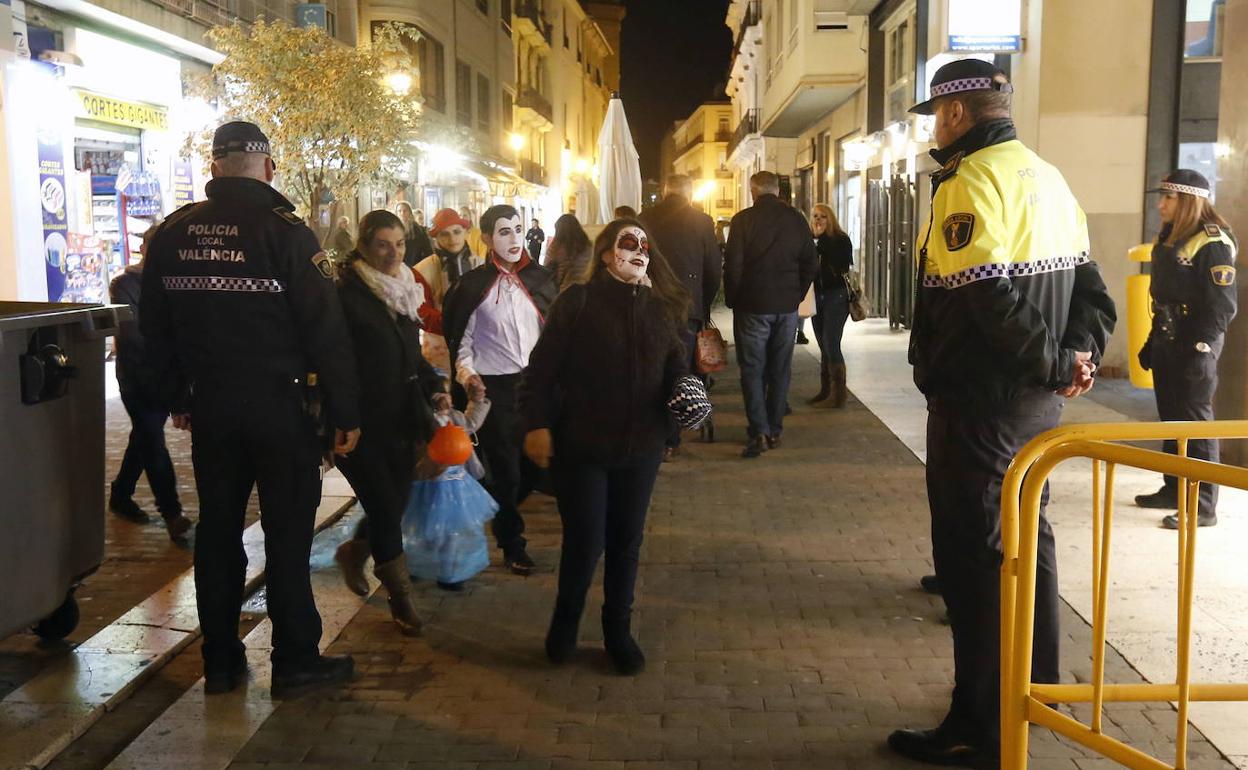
(967, 456)
(244, 436)
(511, 476)
(381, 475)
(1184, 381)
(146, 453)
(765, 355)
(688, 336)
(603, 508)
(829, 322)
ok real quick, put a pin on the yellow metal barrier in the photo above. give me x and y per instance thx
(1024, 702)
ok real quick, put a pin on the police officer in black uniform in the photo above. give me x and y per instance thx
(238, 306)
(1011, 315)
(1193, 290)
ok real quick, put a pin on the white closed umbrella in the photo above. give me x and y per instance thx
(619, 174)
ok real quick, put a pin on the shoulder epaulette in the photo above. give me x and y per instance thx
(951, 167)
(1212, 230)
(287, 216)
(180, 212)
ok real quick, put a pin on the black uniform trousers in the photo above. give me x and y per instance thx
(967, 456)
(380, 472)
(1184, 381)
(603, 509)
(511, 476)
(246, 434)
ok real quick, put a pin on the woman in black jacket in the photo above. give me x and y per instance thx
(593, 397)
(381, 300)
(836, 257)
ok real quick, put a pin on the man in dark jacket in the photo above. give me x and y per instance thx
(239, 303)
(769, 263)
(686, 237)
(492, 319)
(1011, 315)
(140, 394)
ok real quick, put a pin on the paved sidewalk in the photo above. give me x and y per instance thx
(778, 607)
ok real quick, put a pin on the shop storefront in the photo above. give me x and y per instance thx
(95, 150)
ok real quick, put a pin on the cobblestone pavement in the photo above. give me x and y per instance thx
(778, 606)
(138, 558)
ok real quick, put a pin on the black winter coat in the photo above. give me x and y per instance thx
(396, 382)
(836, 257)
(769, 261)
(602, 372)
(134, 375)
(686, 238)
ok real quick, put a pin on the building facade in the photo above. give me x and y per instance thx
(700, 151)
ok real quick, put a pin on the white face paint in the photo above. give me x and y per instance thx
(631, 256)
(507, 240)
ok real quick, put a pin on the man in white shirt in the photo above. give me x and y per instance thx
(492, 319)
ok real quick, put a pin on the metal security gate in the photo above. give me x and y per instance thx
(901, 254)
(874, 269)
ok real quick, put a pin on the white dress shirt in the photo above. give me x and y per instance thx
(501, 332)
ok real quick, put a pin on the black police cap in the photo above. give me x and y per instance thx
(960, 76)
(1184, 180)
(239, 136)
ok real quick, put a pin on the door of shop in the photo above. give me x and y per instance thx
(901, 253)
(875, 247)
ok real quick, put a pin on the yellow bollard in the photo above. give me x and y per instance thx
(1139, 316)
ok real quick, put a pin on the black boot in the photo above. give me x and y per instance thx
(561, 638)
(1166, 497)
(125, 507)
(291, 681)
(626, 656)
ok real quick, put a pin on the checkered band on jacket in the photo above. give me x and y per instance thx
(997, 270)
(222, 283)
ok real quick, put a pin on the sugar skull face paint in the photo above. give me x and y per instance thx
(507, 240)
(631, 256)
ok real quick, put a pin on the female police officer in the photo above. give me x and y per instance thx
(1193, 290)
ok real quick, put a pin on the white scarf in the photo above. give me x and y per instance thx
(402, 295)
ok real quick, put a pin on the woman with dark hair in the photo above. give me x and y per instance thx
(836, 257)
(593, 402)
(1194, 300)
(569, 251)
(416, 238)
(382, 301)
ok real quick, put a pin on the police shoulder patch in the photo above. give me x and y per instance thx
(1212, 230)
(957, 230)
(288, 216)
(324, 265)
(1223, 275)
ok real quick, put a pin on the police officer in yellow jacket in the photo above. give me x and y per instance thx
(238, 305)
(1011, 314)
(1193, 289)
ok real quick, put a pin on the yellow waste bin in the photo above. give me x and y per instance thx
(1139, 315)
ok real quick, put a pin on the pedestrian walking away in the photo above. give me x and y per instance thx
(686, 238)
(239, 303)
(492, 319)
(569, 251)
(382, 303)
(1194, 300)
(146, 452)
(1011, 315)
(417, 245)
(836, 257)
(769, 263)
(593, 405)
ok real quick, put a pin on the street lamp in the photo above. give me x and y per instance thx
(516, 141)
(399, 82)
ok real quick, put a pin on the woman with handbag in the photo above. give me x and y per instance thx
(832, 298)
(593, 402)
(381, 300)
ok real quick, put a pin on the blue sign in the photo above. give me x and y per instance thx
(986, 43)
(52, 199)
(311, 15)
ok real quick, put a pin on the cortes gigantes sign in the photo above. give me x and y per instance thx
(123, 113)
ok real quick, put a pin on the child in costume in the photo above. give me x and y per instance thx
(443, 534)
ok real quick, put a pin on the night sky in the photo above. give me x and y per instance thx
(675, 56)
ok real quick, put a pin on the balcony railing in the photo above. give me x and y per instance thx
(527, 10)
(753, 15)
(723, 136)
(533, 172)
(747, 126)
(725, 204)
(530, 99)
